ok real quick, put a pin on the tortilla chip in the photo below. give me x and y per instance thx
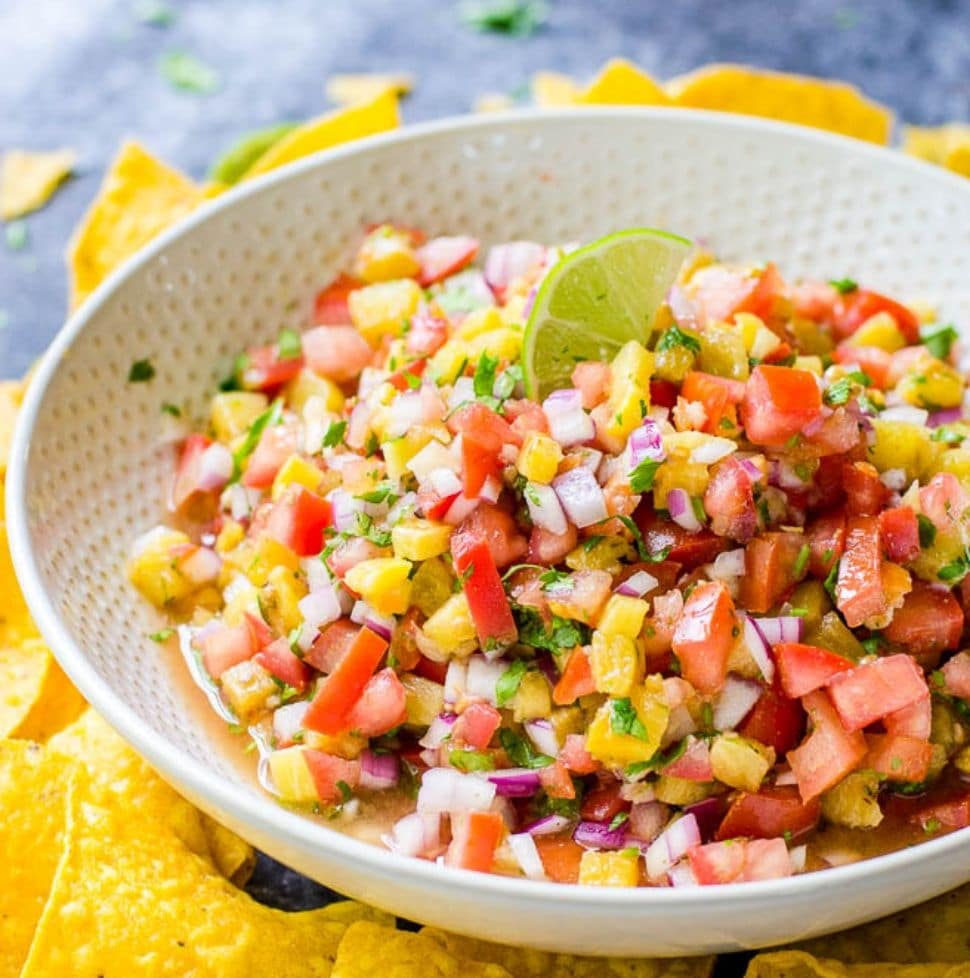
(11, 394)
(16, 625)
(958, 159)
(933, 931)
(797, 964)
(234, 857)
(527, 963)
(28, 180)
(494, 102)
(551, 88)
(935, 143)
(140, 197)
(129, 900)
(350, 911)
(36, 698)
(33, 800)
(621, 82)
(365, 119)
(830, 105)
(351, 89)
(369, 949)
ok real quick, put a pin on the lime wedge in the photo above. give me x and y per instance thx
(595, 300)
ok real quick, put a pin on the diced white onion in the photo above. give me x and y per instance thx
(446, 790)
(735, 701)
(456, 680)
(894, 479)
(545, 510)
(728, 564)
(527, 855)
(713, 450)
(482, 677)
(320, 607)
(444, 482)
(905, 413)
(581, 497)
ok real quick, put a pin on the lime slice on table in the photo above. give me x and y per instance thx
(595, 300)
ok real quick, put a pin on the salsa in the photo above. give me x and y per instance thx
(697, 618)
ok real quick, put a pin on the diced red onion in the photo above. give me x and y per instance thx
(543, 736)
(482, 678)
(566, 400)
(549, 825)
(320, 607)
(581, 497)
(288, 720)
(460, 508)
(784, 628)
(681, 308)
(713, 450)
(672, 844)
(515, 782)
(406, 411)
(346, 508)
(569, 424)
(752, 470)
(545, 510)
(370, 379)
(735, 701)
(946, 416)
(647, 819)
(358, 424)
(709, 813)
(530, 301)
(679, 725)
(447, 790)
(681, 510)
(598, 835)
(759, 648)
(379, 771)
(456, 680)
(728, 565)
(506, 263)
(681, 875)
(438, 729)
(646, 442)
(895, 479)
(215, 467)
(637, 585)
(527, 855)
(907, 414)
(364, 614)
(414, 835)
(201, 566)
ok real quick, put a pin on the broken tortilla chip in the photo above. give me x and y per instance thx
(831, 105)
(935, 143)
(11, 394)
(132, 902)
(343, 126)
(28, 180)
(797, 964)
(139, 197)
(36, 698)
(233, 856)
(529, 963)
(33, 800)
(551, 88)
(351, 89)
(620, 82)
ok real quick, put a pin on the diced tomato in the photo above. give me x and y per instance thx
(769, 562)
(349, 553)
(487, 600)
(381, 706)
(560, 857)
(493, 526)
(663, 393)
(556, 782)
(574, 755)
(550, 548)
(260, 632)
(278, 660)
(803, 668)
(298, 520)
(481, 423)
(477, 464)
(330, 308)
(576, 679)
(435, 671)
(859, 593)
(603, 803)
(778, 403)
(266, 370)
(336, 352)
(402, 379)
(187, 475)
(693, 765)
(915, 720)
(476, 726)
(441, 257)
(829, 752)
(718, 292)
(729, 501)
(838, 434)
(592, 379)
(775, 720)
(826, 541)
(766, 859)
(275, 446)
(875, 689)
(899, 758)
(690, 550)
(899, 531)
(719, 395)
(814, 300)
(874, 362)
(704, 636)
(225, 647)
(773, 811)
(331, 644)
(428, 332)
(433, 506)
(329, 772)
(853, 308)
(865, 495)
(951, 812)
(929, 622)
(474, 838)
(956, 674)
(943, 500)
(738, 860)
(331, 707)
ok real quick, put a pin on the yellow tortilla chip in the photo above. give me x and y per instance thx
(350, 911)
(933, 931)
(830, 105)
(958, 159)
(140, 197)
(15, 622)
(36, 698)
(526, 963)
(129, 900)
(11, 394)
(366, 119)
(369, 949)
(797, 964)
(621, 82)
(935, 143)
(494, 102)
(33, 800)
(351, 89)
(234, 857)
(551, 88)
(28, 180)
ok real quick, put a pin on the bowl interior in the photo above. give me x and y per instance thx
(94, 473)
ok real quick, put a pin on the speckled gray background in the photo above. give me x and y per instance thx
(83, 73)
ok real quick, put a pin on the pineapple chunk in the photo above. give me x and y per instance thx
(504, 343)
(291, 775)
(931, 384)
(233, 412)
(451, 628)
(605, 554)
(347, 745)
(479, 321)
(740, 762)
(381, 310)
(244, 597)
(307, 384)
(629, 397)
(296, 471)
(383, 583)
(899, 445)
(680, 791)
(879, 330)
(614, 662)
(812, 364)
(675, 362)
(449, 361)
(623, 615)
(152, 568)
(854, 801)
(248, 687)
(679, 473)
(609, 868)
(230, 536)
(424, 699)
(279, 598)
(619, 749)
(532, 699)
(400, 451)
(386, 253)
(957, 462)
(539, 458)
(417, 539)
(723, 352)
(269, 553)
(431, 586)
(758, 340)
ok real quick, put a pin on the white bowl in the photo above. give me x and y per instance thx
(88, 473)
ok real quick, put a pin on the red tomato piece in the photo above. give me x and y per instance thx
(899, 531)
(576, 679)
(329, 772)
(556, 782)
(279, 660)
(718, 862)
(838, 434)
(859, 593)
(690, 550)
(826, 541)
(275, 446)
(435, 671)
(381, 706)
(769, 562)
(956, 674)
(331, 644)
(719, 395)
(952, 812)
(766, 859)
(551, 548)
(693, 765)
(874, 362)
(265, 370)
(943, 500)
(729, 501)
(773, 811)
(330, 307)
(441, 257)
(592, 379)
(560, 857)
(336, 352)
(899, 758)
(929, 622)
(704, 636)
(814, 300)
(915, 720)
(261, 633)
(476, 726)
(428, 332)
(487, 601)
(603, 803)
(853, 308)
(829, 752)
(663, 393)
(865, 495)
(718, 292)
(298, 520)
(477, 464)
(481, 423)
(803, 668)
(474, 838)
(225, 647)
(775, 720)
(402, 379)
(494, 527)
(875, 689)
(331, 707)
(574, 755)
(186, 483)
(778, 403)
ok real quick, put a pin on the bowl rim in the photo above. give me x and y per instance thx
(260, 814)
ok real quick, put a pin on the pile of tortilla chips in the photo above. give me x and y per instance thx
(104, 869)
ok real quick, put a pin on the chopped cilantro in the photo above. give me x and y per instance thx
(832, 579)
(552, 577)
(140, 372)
(947, 435)
(16, 235)
(173, 409)
(412, 380)
(931, 825)
(335, 434)
(187, 73)
(844, 285)
(674, 337)
(507, 381)
(659, 760)
(371, 445)
(939, 339)
(155, 13)
(268, 419)
(591, 543)
(162, 635)
(233, 381)
(561, 634)
(873, 644)
(289, 345)
(641, 477)
(521, 753)
(645, 554)
(619, 819)
(345, 792)
(567, 807)
(383, 493)
(516, 18)
(927, 530)
(801, 561)
(955, 571)
(707, 717)
(471, 760)
(838, 393)
(484, 379)
(509, 682)
(624, 719)
(697, 505)
(235, 728)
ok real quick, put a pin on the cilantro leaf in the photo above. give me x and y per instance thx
(509, 682)
(484, 379)
(187, 73)
(155, 13)
(927, 531)
(173, 409)
(520, 751)
(16, 235)
(140, 372)
(641, 477)
(844, 285)
(471, 760)
(272, 416)
(674, 336)
(832, 579)
(644, 553)
(163, 635)
(939, 339)
(335, 434)
(955, 571)
(289, 345)
(947, 435)
(560, 636)
(516, 18)
(383, 493)
(552, 577)
(624, 720)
